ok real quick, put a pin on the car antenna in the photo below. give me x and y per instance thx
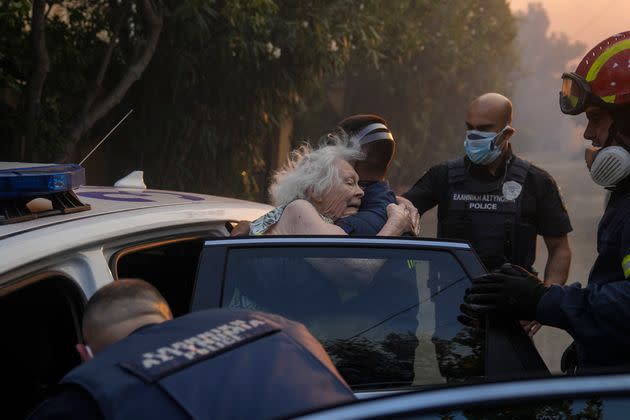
(106, 135)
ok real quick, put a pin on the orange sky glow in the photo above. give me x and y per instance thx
(589, 21)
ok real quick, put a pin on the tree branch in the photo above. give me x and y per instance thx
(154, 20)
(98, 81)
(41, 66)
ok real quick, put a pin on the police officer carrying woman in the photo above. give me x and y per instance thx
(597, 316)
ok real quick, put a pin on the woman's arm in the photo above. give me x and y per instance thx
(301, 218)
(400, 219)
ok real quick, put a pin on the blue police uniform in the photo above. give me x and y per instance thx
(372, 214)
(499, 214)
(598, 315)
(211, 364)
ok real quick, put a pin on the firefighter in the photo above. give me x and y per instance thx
(597, 316)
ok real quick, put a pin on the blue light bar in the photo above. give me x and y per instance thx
(40, 180)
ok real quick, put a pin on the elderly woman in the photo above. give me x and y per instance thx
(316, 188)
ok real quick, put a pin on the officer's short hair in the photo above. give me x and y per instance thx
(120, 301)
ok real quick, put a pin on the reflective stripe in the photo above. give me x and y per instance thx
(603, 59)
(625, 266)
(610, 99)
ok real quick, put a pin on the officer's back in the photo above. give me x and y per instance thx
(210, 364)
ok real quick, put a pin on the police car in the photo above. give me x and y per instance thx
(385, 309)
(568, 397)
(60, 242)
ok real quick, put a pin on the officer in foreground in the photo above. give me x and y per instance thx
(209, 364)
(495, 200)
(598, 315)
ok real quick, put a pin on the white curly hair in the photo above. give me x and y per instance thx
(312, 171)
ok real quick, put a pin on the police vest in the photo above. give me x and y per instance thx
(488, 215)
(212, 364)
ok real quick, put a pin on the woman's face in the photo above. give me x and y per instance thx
(344, 198)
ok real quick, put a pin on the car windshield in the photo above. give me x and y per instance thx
(387, 317)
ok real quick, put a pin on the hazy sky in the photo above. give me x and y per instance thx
(587, 20)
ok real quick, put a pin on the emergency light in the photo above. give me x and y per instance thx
(22, 183)
(28, 180)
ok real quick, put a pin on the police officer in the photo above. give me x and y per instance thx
(209, 364)
(494, 199)
(598, 315)
(377, 142)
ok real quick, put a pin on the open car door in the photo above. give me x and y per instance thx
(385, 309)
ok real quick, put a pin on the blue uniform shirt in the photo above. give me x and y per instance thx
(598, 315)
(372, 214)
(210, 364)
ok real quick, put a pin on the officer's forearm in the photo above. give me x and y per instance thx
(558, 261)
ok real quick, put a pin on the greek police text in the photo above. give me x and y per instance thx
(203, 343)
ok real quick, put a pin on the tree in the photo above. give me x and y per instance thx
(51, 60)
(219, 87)
(434, 58)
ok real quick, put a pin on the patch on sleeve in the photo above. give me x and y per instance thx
(625, 266)
(155, 365)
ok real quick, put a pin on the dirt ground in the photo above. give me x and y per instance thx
(585, 203)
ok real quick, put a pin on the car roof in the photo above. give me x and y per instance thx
(107, 200)
(117, 213)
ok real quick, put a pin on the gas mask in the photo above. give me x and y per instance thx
(610, 164)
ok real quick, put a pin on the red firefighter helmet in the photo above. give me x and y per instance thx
(602, 78)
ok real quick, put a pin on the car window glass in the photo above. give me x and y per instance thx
(170, 267)
(584, 409)
(387, 317)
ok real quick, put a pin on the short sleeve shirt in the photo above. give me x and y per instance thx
(542, 205)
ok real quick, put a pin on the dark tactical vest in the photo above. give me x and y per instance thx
(212, 364)
(488, 215)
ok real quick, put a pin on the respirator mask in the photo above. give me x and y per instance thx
(608, 165)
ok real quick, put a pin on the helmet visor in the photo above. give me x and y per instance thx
(574, 94)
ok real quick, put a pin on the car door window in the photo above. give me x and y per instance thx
(168, 265)
(387, 317)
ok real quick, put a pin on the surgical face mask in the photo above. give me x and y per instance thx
(608, 166)
(484, 147)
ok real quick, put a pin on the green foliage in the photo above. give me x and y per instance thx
(433, 58)
(76, 36)
(227, 73)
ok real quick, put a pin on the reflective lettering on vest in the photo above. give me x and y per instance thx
(625, 266)
(482, 206)
(492, 198)
(161, 362)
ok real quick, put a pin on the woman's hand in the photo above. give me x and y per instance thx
(413, 214)
(398, 221)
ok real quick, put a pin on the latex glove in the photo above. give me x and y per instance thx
(511, 292)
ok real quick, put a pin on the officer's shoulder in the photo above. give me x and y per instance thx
(537, 172)
(441, 168)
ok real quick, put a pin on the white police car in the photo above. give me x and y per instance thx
(57, 250)
(385, 309)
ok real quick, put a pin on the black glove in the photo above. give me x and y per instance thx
(511, 292)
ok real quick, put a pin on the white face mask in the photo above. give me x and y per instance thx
(610, 166)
